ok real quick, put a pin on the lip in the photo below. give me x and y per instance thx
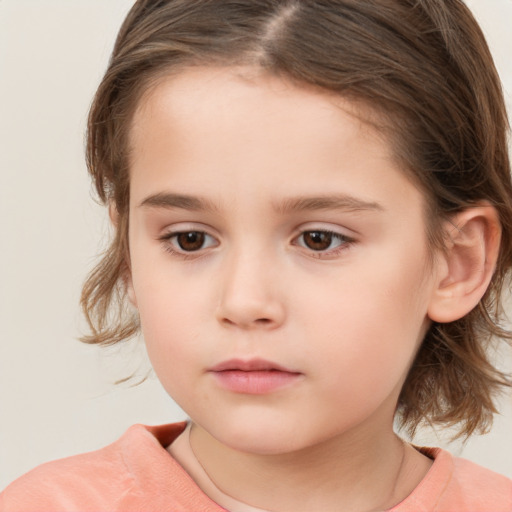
(250, 365)
(254, 376)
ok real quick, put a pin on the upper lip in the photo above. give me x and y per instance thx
(250, 365)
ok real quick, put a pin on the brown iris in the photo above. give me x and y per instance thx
(190, 240)
(317, 240)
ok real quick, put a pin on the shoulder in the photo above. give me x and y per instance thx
(61, 483)
(481, 488)
(456, 484)
(135, 472)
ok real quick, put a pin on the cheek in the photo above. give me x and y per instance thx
(172, 313)
(166, 315)
(172, 342)
(372, 324)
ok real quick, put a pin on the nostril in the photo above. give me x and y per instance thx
(256, 322)
(263, 321)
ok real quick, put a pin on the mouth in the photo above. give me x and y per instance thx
(253, 377)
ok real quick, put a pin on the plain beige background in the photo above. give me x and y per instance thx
(57, 395)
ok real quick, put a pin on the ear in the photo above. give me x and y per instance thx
(127, 275)
(466, 266)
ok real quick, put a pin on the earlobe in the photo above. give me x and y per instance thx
(467, 265)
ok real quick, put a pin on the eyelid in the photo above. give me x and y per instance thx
(339, 236)
(326, 227)
(346, 240)
(185, 227)
(171, 232)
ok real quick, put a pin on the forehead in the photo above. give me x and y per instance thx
(253, 131)
(196, 95)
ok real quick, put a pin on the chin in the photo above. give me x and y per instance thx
(264, 436)
(262, 444)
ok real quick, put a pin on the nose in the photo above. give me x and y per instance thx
(250, 295)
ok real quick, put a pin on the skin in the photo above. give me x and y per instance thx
(349, 319)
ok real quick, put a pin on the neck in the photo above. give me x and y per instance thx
(371, 472)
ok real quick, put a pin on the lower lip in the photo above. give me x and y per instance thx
(258, 382)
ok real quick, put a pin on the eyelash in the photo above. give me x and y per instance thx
(345, 243)
(167, 241)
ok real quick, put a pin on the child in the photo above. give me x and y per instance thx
(313, 211)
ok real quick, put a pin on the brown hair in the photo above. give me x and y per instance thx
(423, 65)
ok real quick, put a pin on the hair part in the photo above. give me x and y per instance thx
(422, 66)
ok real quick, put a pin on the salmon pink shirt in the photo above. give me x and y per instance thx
(137, 473)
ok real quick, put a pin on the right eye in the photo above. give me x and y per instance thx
(189, 241)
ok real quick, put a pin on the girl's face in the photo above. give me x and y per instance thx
(278, 260)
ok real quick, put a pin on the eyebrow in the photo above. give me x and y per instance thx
(329, 202)
(290, 205)
(180, 201)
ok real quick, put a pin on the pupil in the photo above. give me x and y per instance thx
(318, 240)
(191, 241)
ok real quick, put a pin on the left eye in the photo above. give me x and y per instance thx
(191, 241)
(321, 240)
